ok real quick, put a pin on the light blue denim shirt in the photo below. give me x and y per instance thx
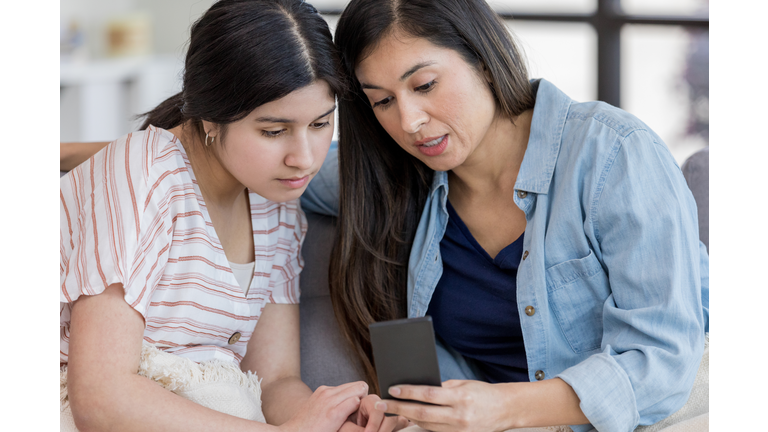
(613, 267)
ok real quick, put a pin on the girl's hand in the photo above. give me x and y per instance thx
(459, 405)
(374, 420)
(327, 409)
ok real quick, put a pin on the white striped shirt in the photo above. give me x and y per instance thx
(133, 214)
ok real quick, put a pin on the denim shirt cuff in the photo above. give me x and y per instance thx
(608, 402)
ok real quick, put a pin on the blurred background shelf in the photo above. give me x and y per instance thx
(99, 98)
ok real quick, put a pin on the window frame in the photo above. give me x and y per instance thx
(607, 20)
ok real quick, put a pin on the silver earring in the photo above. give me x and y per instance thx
(207, 144)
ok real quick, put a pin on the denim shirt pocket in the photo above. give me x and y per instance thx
(577, 291)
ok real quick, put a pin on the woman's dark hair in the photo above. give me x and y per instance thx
(383, 188)
(245, 53)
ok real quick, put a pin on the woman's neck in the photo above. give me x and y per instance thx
(493, 166)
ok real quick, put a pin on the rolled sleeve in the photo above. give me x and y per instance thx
(614, 386)
(645, 224)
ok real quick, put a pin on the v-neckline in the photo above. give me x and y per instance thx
(500, 257)
(221, 256)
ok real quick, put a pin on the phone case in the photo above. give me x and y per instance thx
(404, 353)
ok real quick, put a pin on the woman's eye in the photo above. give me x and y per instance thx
(272, 134)
(426, 87)
(382, 103)
(320, 125)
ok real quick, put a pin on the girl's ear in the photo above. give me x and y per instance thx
(211, 129)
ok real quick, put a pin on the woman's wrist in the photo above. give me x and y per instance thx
(543, 403)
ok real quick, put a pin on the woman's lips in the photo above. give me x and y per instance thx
(433, 146)
(295, 182)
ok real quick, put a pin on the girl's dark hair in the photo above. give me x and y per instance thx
(383, 188)
(245, 53)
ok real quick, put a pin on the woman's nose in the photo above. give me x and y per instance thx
(412, 117)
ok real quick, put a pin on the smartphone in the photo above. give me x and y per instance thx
(404, 353)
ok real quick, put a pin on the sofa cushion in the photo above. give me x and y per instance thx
(326, 358)
(696, 173)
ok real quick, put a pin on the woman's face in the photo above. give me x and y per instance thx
(434, 104)
(279, 147)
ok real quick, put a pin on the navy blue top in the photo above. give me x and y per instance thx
(474, 306)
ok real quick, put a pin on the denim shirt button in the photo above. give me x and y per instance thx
(530, 310)
(539, 375)
(525, 255)
(522, 194)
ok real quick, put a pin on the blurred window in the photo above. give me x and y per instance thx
(650, 57)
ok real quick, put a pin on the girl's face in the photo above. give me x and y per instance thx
(432, 103)
(279, 147)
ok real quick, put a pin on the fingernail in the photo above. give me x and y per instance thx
(381, 406)
(394, 391)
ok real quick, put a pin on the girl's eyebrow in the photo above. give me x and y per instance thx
(405, 76)
(268, 119)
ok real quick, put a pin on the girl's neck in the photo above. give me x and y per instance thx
(218, 186)
(493, 165)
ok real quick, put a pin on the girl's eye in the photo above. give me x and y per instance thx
(320, 125)
(383, 103)
(273, 134)
(426, 88)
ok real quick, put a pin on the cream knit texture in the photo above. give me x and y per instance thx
(214, 384)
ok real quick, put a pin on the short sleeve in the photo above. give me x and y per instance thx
(110, 232)
(288, 263)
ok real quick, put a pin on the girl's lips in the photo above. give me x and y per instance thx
(295, 183)
(433, 150)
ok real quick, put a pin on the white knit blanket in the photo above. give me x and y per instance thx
(215, 384)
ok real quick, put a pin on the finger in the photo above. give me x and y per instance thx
(358, 388)
(350, 427)
(366, 408)
(375, 418)
(336, 395)
(347, 407)
(389, 424)
(416, 412)
(402, 422)
(430, 394)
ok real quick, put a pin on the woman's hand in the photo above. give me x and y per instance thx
(373, 420)
(459, 405)
(327, 409)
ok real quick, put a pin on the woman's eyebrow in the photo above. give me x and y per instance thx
(413, 70)
(268, 119)
(405, 76)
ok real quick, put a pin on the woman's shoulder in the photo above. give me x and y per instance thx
(591, 117)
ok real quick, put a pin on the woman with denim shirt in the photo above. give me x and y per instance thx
(446, 140)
